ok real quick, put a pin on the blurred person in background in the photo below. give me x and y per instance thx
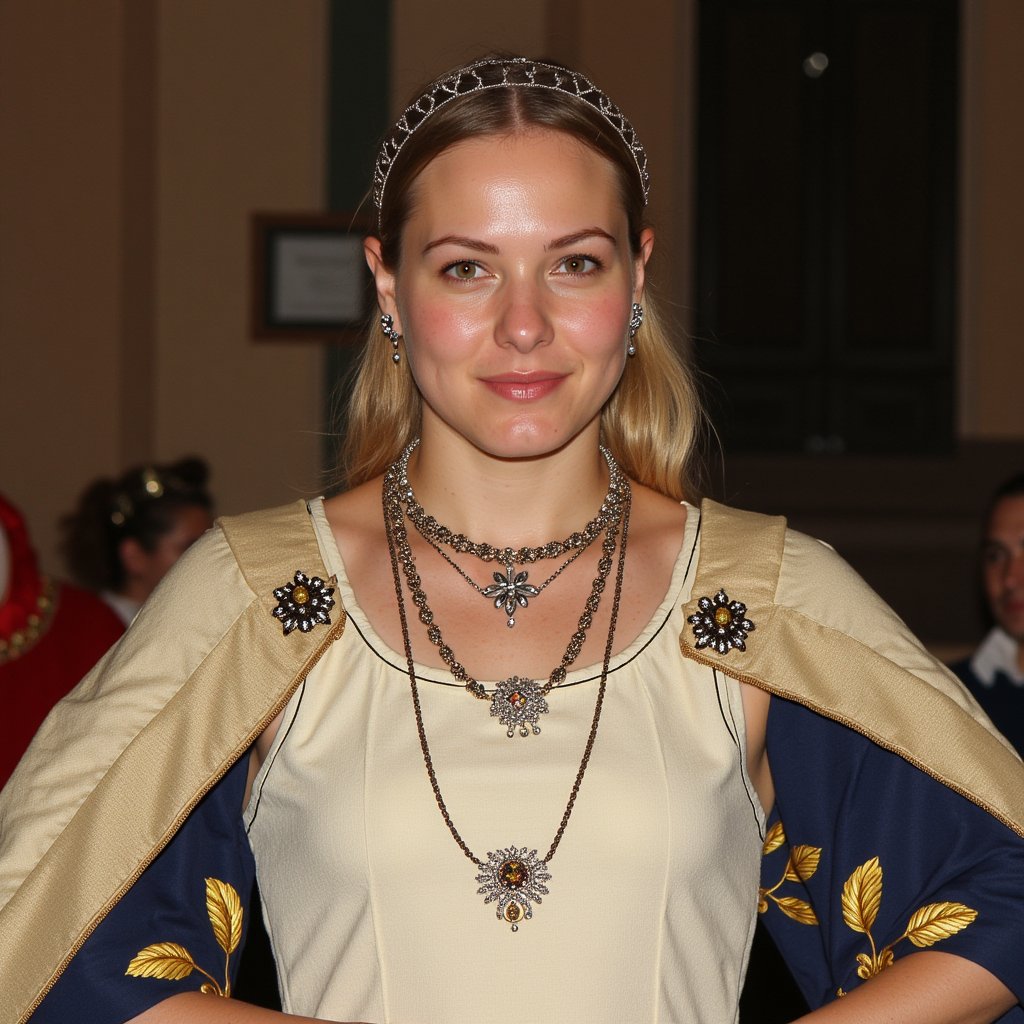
(126, 533)
(994, 673)
(51, 634)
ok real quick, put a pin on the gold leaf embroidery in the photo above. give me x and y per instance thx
(173, 962)
(799, 910)
(862, 896)
(803, 862)
(938, 921)
(774, 839)
(225, 910)
(869, 966)
(165, 960)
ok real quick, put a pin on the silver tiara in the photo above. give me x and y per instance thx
(505, 73)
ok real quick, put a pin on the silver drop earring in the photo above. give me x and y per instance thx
(635, 320)
(387, 325)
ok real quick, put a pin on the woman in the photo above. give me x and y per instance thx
(523, 709)
(125, 534)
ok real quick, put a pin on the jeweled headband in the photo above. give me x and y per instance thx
(505, 73)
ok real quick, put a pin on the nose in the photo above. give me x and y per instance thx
(523, 321)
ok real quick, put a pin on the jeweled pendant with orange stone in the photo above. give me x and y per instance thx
(513, 878)
(517, 703)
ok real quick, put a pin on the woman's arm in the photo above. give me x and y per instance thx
(927, 987)
(194, 1007)
(869, 866)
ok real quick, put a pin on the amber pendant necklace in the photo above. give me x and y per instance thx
(512, 877)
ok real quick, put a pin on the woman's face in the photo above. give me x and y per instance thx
(145, 569)
(514, 290)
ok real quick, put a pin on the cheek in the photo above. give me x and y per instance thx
(598, 327)
(437, 333)
(992, 579)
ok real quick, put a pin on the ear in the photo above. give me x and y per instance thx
(640, 263)
(383, 279)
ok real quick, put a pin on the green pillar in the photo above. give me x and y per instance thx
(358, 73)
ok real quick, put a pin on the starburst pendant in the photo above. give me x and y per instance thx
(514, 878)
(509, 591)
(517, 704)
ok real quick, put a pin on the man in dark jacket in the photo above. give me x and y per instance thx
(995, 671)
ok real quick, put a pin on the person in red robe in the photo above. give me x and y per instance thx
(51, 634)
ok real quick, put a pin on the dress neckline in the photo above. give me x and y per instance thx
(676, 595)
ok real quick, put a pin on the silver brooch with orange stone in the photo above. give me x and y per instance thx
(517, 703)
(721, 624)
(303, 603)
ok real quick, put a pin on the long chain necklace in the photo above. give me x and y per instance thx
(514, 877)
(516, 702)
(511, 590)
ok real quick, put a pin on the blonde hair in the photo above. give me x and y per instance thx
(654, 421)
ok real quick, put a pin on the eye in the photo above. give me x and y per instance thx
(578, 264)
(464, 270)
(993, 554)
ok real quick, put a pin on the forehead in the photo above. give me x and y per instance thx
(543, 172)
(1007, 518)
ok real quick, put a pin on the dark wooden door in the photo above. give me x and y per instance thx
(826, 223)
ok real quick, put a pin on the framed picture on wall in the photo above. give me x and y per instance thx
(309, 278)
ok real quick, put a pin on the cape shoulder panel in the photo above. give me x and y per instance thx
(197, 678)
(823, 638)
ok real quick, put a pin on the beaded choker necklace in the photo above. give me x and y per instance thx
(511, 590)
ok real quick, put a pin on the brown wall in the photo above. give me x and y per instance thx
(137, 137)
(992, 221)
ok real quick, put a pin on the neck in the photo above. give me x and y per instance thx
(513, 502)
(135, 590)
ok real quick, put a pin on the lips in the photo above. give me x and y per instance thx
(524, 387)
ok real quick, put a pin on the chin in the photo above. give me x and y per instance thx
(531, 441)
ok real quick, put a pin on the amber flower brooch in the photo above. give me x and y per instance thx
(721, 624)
(303, 603)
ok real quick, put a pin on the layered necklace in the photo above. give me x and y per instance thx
(517, 702)
(513, 877)
(511, 590)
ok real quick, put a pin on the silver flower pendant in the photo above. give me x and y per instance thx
(514, 878)
(517, 704)
(509, 591)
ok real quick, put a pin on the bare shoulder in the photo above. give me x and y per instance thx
(357, 522)
(356, 519)
(352, 514)
(656, 528)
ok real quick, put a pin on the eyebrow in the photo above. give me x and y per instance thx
(465, 242)
(579, 236)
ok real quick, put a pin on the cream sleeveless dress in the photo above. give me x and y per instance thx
(372, 909)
